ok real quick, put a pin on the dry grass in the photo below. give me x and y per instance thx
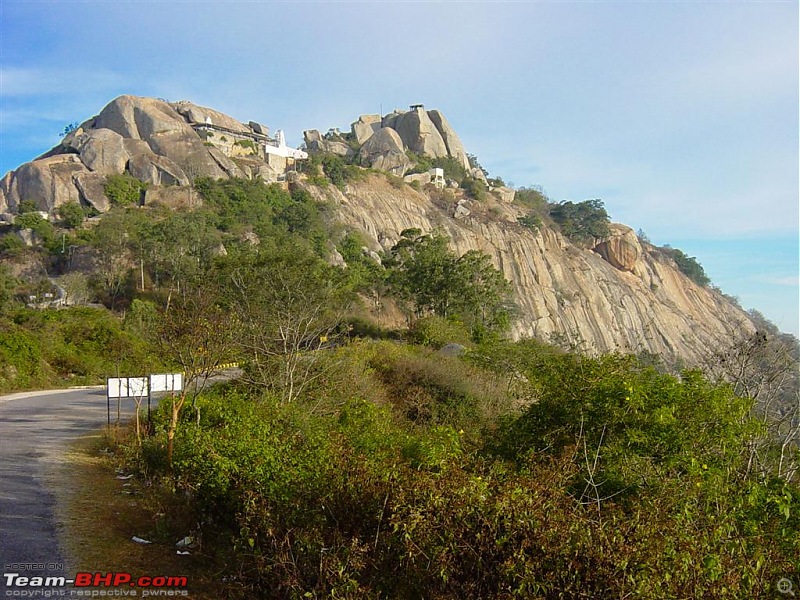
(99, 514)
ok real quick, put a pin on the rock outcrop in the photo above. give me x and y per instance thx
(426, 133)
(155, 141)
(622, 249)
(641, 303)
(419, 134)
(384, 150)
(318, 143)
(451, 140)
(616, 295)
(366, 125)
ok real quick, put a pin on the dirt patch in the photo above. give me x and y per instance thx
(98, 514)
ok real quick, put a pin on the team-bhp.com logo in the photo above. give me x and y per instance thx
(94, 585)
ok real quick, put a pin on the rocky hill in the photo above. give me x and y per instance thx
(619, 295)
(615, 293)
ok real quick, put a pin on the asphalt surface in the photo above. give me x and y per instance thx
(35, 430)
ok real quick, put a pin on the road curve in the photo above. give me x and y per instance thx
(35, 429)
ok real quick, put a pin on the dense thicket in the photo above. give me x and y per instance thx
(515, 471)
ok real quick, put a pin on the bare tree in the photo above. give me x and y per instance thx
(289, 308)
(764, 366)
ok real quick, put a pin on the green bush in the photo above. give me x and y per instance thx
(11, 243)
(582, 221)
(688, 265)
(357, 504)
(123, 190)
(71, 214)
(531, 221)
(436, 332)
(36, 223)
(27, 206)
(475, 188)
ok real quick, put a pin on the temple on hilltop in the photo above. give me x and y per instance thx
(254, 141)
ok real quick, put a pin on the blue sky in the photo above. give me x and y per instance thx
(681, 116)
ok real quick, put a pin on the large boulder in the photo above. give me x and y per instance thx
(384, 150)
(391, 119)
(102, 151)
(451, 140)
(419, 134)
(156, 170)
(46, 181)
(91, 188)
(118, 116)
(199, 115)
(621, 249)
(365, 126)
(151, 139)
(225, 163)
(310, 136)
(334, 147)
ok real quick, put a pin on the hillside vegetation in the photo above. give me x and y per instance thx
(438, 461)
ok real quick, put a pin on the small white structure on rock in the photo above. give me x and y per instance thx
(279, 148)
(437, 178)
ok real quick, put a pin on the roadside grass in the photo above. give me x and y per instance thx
(100, 514)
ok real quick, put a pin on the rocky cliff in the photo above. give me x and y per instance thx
(613, 294)
(620, 296)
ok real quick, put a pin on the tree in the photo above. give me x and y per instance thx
(69, 128)
(36, 223)
(27, 206)
(76, 287)
(425, 273)
(114, 257)
(582, 221)
(688, 265)
(196, 333)
(289, 302)
(335, 169)
(123, 190)
(176, 248)
(763, 366)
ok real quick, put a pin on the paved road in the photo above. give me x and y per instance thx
(35, 428)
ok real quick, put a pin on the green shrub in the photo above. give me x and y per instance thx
(123, 190)
(475, 188)
(11, 243)
(688, 265)
(617, 482)
(27, 206)
(36, 223)
(248, 144)
(437, 331)
(582, 221)
(531, 221)
(71, 214)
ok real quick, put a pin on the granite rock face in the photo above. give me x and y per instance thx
(451, 140)
(155, 141)
(384, 150)
(419, 134)
(366, 125)
(562, 291)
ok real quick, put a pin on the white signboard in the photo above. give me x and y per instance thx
(127, 387)
(168, 382)
(138, 387)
